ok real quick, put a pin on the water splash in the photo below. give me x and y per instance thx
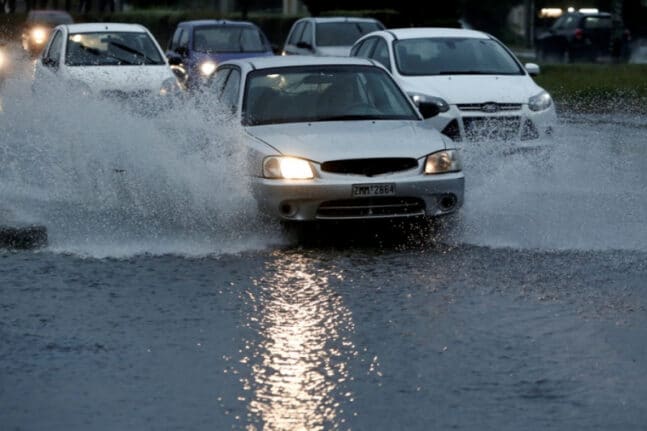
(107, 181)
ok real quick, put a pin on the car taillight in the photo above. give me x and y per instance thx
(579, 33)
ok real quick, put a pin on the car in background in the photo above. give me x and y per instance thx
(38, 26)
(482, 90)
(327, 36)
(337, 139)
(121, 62)
(197, 47)
(584, 36)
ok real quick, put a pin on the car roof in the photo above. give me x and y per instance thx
(223, 22)
(299, 60)
(338, 19)
(421, 32)
(105, 26)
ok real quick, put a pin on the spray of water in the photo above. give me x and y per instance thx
(107, 180)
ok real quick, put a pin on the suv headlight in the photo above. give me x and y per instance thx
(417, 98)
(540, 102)
(289, 168)
(2, 59)
(443, 162)
(207, 68)
(39, 35)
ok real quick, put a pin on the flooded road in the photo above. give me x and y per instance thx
(164, 303)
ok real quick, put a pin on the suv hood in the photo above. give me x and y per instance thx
(336, 140)
(473, 88)
(125, 78)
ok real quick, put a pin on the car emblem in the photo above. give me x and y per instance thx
(489, 107)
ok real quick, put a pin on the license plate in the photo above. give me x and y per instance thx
(382, 189)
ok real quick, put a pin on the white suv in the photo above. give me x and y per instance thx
(327, 36)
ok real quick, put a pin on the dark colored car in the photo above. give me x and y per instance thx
(197, 47)
(584, 36)
(38, 25)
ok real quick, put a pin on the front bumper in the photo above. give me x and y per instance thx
(515, 123)
(332, 199)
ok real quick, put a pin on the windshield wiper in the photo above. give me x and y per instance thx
(467, 72)
(132, 51)
(98, 53)
(349, 117)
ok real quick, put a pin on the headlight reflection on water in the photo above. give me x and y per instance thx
(300, 364)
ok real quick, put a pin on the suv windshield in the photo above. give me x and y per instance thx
(111, 49)
(323, 93)
(49, 18)
(454, 56)
(228, 39)
(343, 33)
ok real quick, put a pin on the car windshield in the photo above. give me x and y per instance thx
(323, 93)
(343, 33)
(111, 49)
(229, 38)
(454, 56)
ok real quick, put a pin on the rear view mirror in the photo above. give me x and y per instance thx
(428, 109)
(532, 68)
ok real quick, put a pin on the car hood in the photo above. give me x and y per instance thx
(335, 140)
(334, 51)
(457, 89)
(220, 57)
(125, 78)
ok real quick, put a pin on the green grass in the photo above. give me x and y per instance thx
(597, 87)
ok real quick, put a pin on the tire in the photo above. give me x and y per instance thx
(24, 238)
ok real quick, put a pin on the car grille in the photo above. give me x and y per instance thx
(491, 128)
(380, 207)
(489, 107)
(369, 167)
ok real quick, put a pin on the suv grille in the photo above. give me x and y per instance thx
(371, 208)
(369, 167)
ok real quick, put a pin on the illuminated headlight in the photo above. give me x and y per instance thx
(289, 168)
(540, 102)
(39, 35)
(417, 98)
(207, 68)
(443, 162)
(169, 86)
(2, 60)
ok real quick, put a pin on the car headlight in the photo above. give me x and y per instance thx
(289, 168)
(207, 68)
(2, 60)
(38, 35)
(170, 86)
(443, 162)
(418, 98)
(540, 102)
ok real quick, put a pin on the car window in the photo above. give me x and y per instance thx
(343, 33)
(229, 96)
(112, 49)
(55, 48)
(597, 23)
(381, 54)
(230, 38)
(218, 81)
(175, 42)
(307, 34)
(295, 35)
(366, 48)
(454, 56)
(323, 93)
(184, 39)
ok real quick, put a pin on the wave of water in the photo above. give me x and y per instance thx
(107, 182)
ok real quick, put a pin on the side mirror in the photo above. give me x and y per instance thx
(532, 68)
(428, 109)
(304, 45)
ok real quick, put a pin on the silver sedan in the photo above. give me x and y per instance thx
(337, 139)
